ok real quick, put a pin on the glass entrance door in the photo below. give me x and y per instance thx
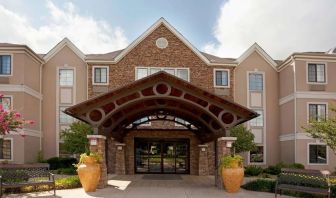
(161, 156)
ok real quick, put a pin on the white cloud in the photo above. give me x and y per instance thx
(88, 34)
(281, 27)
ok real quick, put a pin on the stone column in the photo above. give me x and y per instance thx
(97, 145)
(120, 168)
(111, 155)
(224, 145)
(203, 163)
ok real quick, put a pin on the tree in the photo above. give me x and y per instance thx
(245, 139)
(10, 121)
(324, 130)
(75, 138)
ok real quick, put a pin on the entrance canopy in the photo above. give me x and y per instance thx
(161, 96)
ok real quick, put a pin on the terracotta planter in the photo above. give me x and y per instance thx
(232, 178)
(89, 174)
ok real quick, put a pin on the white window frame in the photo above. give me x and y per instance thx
(248, 78)
(161, 69)
(316, 103)
(11, 65)
(59, 116)
(214, 78)
(73, 76)
(11, 99)
(12, 148)
(107, 73)
(264, 109)
(325, 72)
(308, 154)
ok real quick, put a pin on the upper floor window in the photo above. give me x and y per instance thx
(317, 154)
(142, 72)
(222, 78)
(255, 82)
(316, 73)
(6, 102)
(258, 121)
(100, 75)
(66, 77)
(317, 112)
(5, 65)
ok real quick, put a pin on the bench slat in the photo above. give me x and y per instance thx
(13, 185)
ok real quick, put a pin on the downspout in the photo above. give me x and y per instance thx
(295, 110)
(41, 131)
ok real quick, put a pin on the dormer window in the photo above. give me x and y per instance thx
(5, 65)
(316, 73)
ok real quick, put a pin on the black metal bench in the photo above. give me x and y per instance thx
(305, 181)
(20, 175)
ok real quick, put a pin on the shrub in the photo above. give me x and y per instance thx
(261, 185)
(61, 183)
(253, 170)
(67, 171)
(276, 170)
(58, 162)
(68, 182)
(14, 176)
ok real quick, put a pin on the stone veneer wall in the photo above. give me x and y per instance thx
(146, 54)
(194, 149)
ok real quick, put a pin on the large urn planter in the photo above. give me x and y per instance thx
(88, 170)
(232, 172)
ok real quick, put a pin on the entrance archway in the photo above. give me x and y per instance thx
(160, 96)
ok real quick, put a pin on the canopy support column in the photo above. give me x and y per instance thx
(224, 145)
(97, 145)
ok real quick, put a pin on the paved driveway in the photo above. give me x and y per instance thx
(154, 186)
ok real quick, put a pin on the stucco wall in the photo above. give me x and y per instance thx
(64, 57)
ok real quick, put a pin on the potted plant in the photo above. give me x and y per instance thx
(88, 170)
(232, 172)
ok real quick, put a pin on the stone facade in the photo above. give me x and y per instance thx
(146, 54)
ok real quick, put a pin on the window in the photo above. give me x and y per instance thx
(178, 72)
(257, 156)
(258, 121)
(221, 78)
(5, 65)
(66, 77)
(144, 121)
(180, 120)
(100, 75)
(317, 112)
(64, 118)
(255, 82)
(6, 151)
(183, 74)
(141, 73)
(316, 73)
(317, 154)
(6, 102)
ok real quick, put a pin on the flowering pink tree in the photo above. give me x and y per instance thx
(10, 121)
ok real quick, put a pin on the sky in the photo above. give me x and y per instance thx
(225, 28)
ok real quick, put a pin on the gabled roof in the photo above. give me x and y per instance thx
(116, 56)
(60, 45)
(11, 46)
(256, 48)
